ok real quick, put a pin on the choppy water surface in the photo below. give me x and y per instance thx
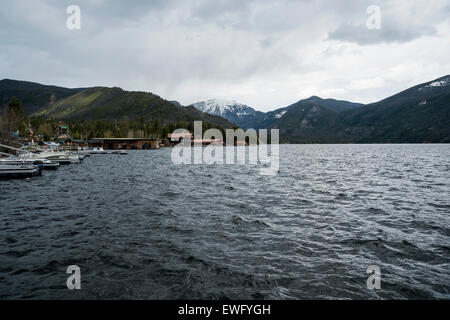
(140, 227)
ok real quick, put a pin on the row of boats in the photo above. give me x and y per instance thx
(29, 161)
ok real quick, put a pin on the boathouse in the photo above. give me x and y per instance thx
(125, 143)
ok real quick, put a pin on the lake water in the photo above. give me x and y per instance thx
(141, 227)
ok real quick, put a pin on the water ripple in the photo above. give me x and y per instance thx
(142, 228)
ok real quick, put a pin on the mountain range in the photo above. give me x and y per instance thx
(416, 115)
(247, 117)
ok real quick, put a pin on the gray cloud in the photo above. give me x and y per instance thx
(364, 36)
(401, 22)
(261, 52)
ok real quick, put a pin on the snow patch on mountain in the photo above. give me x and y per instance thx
(280, 114)
(438, 83)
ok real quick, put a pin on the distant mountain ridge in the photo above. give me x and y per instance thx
(418, 114)
(232, 110)
(247, 117)
(335, 105)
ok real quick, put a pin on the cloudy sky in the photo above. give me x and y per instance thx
(265, 53)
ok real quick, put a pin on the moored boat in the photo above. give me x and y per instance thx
(18, 171)
(41, 163)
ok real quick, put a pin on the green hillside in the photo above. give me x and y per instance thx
(99, 103)
(34, 96)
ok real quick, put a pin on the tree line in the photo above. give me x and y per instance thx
(13, 119)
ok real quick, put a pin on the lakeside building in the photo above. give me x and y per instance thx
(125, 143)
(176, 138)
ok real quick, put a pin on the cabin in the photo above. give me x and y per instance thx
(125, 143)
(176, 138)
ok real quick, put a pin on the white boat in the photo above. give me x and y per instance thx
(33, 152)
(62, 157)
(24, 158)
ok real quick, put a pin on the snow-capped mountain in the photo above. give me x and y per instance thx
(220, 107)
(232, 110)
(246, 117)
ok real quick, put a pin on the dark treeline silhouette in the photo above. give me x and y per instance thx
(14, 120)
